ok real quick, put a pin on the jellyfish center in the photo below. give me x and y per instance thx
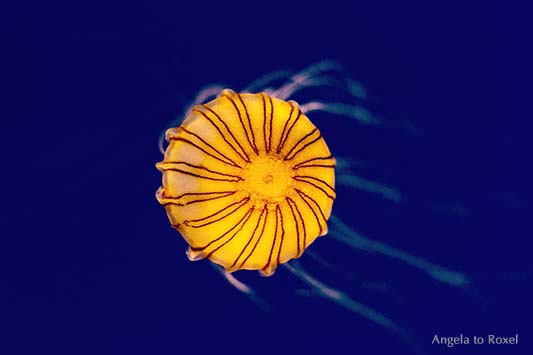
(267, 179)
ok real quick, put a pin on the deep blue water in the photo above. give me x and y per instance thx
(89, 263)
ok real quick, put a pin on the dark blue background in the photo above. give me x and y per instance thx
(89, 264)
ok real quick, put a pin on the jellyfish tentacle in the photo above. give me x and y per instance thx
(313, 75)
(328, 265)
(161, 143)
(339, 297)
(348, 236)
(346, 178)
(355, 112)
(344, 300)
(360, 183)
(322, 74)
(244, 288)
(206, 93)
(374, 286)
(358, 114)
(264, 81)
(300, 82)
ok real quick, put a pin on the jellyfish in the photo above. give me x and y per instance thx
(249, 183)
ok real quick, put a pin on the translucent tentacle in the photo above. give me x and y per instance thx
(357, 113)
(340, 297)
(344, 234)
(325, 74)
(161, 141)
(264, 81)
(310, 76)
(345, 166)
(347, 274)
(379, 286)
(360, 183)
(243, 288)
(344, 300)
(207, 92)
(356, 89)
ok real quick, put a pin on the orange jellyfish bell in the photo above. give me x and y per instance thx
(248, 181)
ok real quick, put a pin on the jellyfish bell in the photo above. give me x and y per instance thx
(248, 181)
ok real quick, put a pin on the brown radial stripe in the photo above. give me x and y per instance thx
(242, 123)
(228, 161)
(291, 127)
(258, 238)
(321, 229)
(242, 153)
(304, 147)
(264, 122)
(303, 226)
(209, 145)
(250, 239)
(285, 133)
(197, 194)
(297, 166)
(239, 204)
(296, 224)
(273, 241)
(317, 166)
(301, 193)
(271, 120)
(176, 202)
(316, 186)
(244, 218)
(199, 167)
(317, 179)
(300, 141)
(249, 214)
(185, 172)
(254, 145)
(278, 209)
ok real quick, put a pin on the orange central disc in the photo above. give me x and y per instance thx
(267, 179)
